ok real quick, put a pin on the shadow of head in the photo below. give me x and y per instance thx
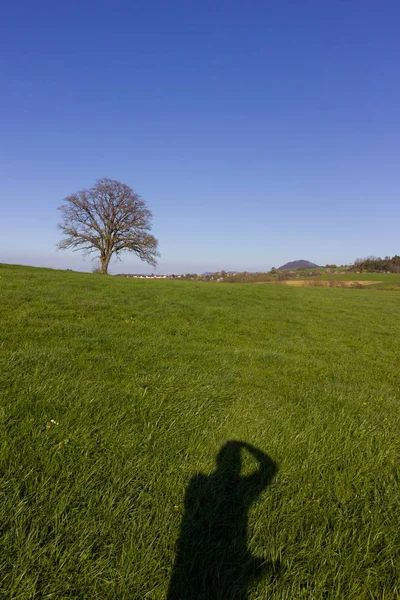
(229, 458)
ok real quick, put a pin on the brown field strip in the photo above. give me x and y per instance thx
(328, 283)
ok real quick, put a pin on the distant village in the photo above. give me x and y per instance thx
(205, 276)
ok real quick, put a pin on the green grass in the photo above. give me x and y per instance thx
(147, 381)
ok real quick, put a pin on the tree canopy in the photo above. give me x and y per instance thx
(108, 219)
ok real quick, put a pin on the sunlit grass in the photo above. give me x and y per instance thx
(146, 381)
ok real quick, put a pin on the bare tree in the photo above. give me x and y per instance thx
(108, 219)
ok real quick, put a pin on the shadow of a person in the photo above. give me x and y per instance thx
(212, 560)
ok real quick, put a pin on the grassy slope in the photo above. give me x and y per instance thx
(147, 380)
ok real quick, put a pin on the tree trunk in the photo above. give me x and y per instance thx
(104, 262)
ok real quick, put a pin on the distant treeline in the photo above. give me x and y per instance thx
(374, 264)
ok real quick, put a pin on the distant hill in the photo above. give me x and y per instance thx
(298, 264)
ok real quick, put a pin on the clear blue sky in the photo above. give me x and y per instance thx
(257, 132)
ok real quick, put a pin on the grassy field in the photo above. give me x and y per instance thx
(246, 435)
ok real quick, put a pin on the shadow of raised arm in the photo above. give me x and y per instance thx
(265, 472)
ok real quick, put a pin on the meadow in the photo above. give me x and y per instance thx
(119, 396)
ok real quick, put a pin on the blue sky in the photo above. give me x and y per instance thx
(257, 132)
